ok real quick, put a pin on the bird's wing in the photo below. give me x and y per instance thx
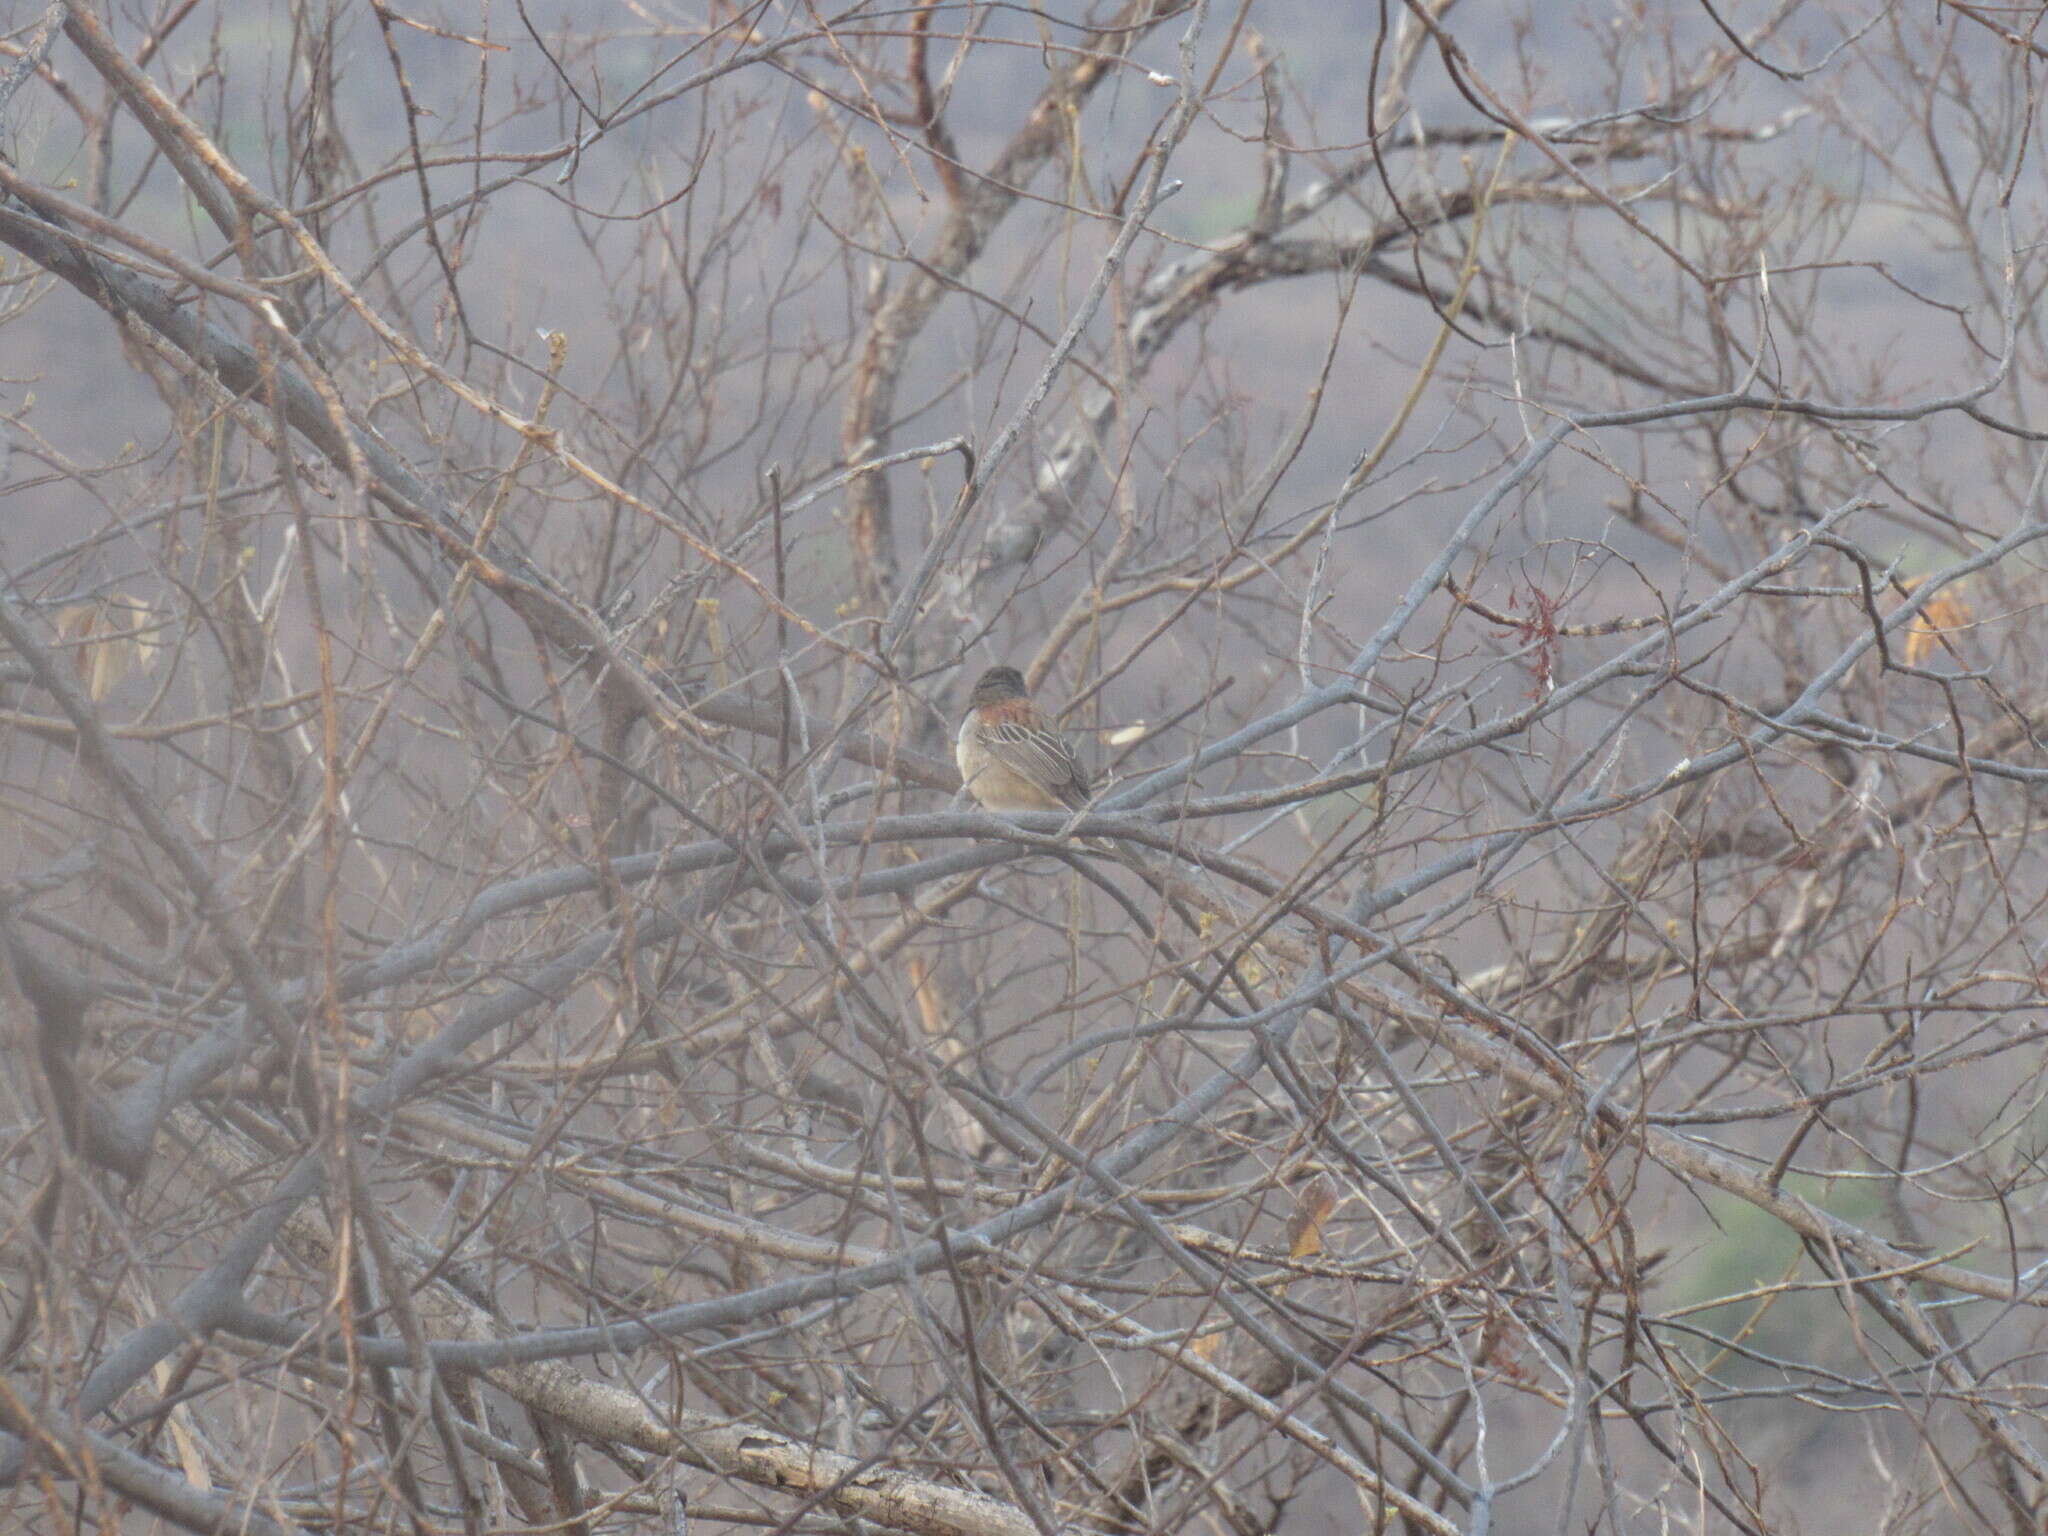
(1043, 756)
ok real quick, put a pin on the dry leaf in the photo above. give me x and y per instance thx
(1313, 1203)
(114, 638)
(190, 1456)
(714, 633)
(1945, 611)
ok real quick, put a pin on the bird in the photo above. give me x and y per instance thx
(1010, 757)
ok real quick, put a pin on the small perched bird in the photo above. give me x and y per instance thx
(1009, 755)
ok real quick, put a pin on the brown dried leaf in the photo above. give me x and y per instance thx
(1313, 1203)
(1947, 610)
(114, 638)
